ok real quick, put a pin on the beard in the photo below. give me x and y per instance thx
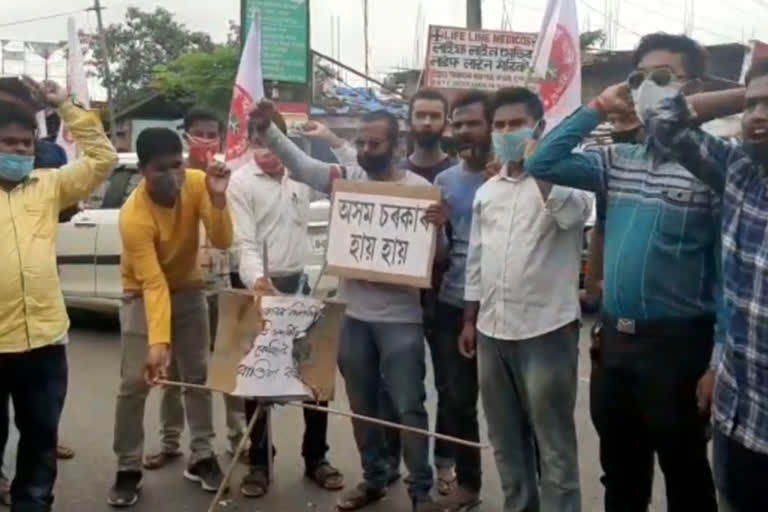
(375, 165)
(474, 152)
(427, 140)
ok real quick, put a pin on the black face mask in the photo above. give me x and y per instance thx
(375, 165)
(626, 136)
(427, 140)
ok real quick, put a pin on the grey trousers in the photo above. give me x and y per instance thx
(529, 395)
(189, 354)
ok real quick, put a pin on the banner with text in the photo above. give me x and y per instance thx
(460, 58)
(283, 348)
(378, 233)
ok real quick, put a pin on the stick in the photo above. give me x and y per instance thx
(270, 455)
(235, 456)
(352, 415)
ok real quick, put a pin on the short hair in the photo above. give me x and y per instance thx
(16, 88)
(470, 98)
(200, 114)
(13, 113)
(277, 118)
(154, 142)
(519, 96)
(427, 94)
(695, 56)
(393, 125)
(759, 68)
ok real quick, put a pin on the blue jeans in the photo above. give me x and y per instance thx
(529, 395)
(37, 383)
(372, 355)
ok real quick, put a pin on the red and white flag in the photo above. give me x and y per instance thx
(77, 85)
(557, 61)
(249, 89)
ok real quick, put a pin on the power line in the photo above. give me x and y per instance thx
(601, 13)
(41, 18)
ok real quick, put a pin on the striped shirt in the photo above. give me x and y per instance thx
(661, 223)
(740, 404)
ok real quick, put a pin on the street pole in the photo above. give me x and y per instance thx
(107, 73)
(474, 14)
(365, 36)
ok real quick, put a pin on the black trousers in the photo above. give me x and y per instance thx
(741, 474)
(643, 401)
(36, 381)
(314, 446)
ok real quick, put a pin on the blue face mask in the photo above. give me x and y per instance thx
(510, 147)
(15, 168)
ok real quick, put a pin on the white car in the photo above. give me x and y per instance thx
(88, 246)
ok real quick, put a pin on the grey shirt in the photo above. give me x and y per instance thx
(366, 301)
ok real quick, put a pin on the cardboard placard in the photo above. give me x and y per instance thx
(378, 232)
(257, 359)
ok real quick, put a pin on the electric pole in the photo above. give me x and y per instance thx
(474, 14)
(107, 73)
(365, 36)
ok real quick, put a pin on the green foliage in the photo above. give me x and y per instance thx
(592, 39)
(200, 78)
(139, 44)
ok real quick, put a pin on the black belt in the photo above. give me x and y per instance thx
(658, 327)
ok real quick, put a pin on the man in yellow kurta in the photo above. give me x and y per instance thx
(33, 319)
(164, 317)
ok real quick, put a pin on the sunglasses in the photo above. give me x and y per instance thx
(660, 77)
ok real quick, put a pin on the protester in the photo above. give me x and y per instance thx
(428, 120)
(202, 132)
(736, 172)
(522, 315)
(268, 206)
(164, 302)
(657, 327)
(456, 376)
(33, 319)
(382, 328)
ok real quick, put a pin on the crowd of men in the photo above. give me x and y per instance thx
(681, 344)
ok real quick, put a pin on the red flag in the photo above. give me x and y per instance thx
(248, 90)
(557, 61)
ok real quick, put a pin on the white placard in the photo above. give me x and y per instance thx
(269, 370)
(378, 232)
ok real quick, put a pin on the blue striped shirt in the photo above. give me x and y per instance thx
(662, 247)
(740, 403)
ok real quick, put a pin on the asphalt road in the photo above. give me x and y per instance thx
(87, 426)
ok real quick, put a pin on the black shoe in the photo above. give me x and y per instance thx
(207, 472)
(125, 492)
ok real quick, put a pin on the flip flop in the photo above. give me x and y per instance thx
(326, 476)
(359, 497)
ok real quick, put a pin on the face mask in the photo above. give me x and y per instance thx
(165, 188)
(15, 168)
(427, 140)
(375, 165)
(510, 147)
(201, 149)
(649, 95)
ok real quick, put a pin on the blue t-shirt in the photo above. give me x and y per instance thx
(458, 186)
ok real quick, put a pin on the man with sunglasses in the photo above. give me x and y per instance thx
(661, 278)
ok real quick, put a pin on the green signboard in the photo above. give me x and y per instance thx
(285, 37)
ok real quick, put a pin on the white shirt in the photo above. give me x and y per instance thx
(275, 210)
(524, 257)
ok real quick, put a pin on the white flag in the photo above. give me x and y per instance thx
(77, 86)
(557, 61)
(249, 89)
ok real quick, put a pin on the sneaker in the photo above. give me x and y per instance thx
(125, 492)
(207, 473)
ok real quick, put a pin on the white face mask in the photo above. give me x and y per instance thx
(650, 94)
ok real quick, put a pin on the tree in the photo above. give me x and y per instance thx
(591, 40)
(200, 78)
(142, 42)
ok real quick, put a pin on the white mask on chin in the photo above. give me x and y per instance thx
(650, 94)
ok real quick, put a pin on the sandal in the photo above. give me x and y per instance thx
(256, 483)
(64, 452)
(359, 497)
(159, 460)
(325, 475)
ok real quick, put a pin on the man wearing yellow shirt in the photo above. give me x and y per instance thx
(33, 319)
(165, 314)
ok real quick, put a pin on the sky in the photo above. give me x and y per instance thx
(393, 27)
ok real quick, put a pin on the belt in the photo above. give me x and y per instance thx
(658, 327)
